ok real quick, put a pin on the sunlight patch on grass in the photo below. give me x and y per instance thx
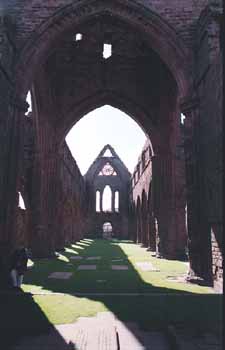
(67, 309)
(62, 258)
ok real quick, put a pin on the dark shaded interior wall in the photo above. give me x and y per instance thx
(37, 52)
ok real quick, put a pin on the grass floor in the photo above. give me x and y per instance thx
(167, 303)
(104, 279)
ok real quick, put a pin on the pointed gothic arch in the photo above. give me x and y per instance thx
(162, 37)
(107, 199)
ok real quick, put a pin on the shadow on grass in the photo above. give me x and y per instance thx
(162, 307)
(21, 316)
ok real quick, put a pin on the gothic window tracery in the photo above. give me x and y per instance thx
(107, 170)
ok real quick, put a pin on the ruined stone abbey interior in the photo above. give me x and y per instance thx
(165, 60)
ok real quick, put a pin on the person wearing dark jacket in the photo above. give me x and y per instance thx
(18, 266)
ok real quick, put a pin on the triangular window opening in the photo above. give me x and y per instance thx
(107, 153)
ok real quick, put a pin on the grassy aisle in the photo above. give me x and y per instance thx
(104, 279)
(168, 302)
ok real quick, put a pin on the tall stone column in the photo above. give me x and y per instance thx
(163, 205)
(151, 232)
(113, 201)
(12, 109)
(191, 112)
(46, 191)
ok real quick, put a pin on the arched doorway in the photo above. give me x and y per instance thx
(107, 230)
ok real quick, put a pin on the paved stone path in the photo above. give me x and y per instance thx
(102, 332)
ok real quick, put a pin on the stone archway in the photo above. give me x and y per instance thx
(162, 37)
(160, 42)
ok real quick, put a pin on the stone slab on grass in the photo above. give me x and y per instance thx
(119, 267)
(60, 275)
(100, 281)
(87, 267)
(76, 257)
(93, 258)
(117, 260)
(145, 266)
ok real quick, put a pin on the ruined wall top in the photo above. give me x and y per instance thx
(29, 14)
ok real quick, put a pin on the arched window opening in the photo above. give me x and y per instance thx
(107, 199)
(21, 203)
(182, 117)
(119, 124)
(29, 101)
(97, 203)
(78, 37)
(116, 204)
(107, 51)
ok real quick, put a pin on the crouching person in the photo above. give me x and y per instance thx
(18, 268)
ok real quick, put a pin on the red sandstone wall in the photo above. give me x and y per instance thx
(181, 14)
(209, 87)
(142, 174)
(72, 199)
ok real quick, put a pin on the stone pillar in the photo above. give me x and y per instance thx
(195, 234)
(46, 191)
(163, 205)
(113, 201)
(151, 231)
(101, 195)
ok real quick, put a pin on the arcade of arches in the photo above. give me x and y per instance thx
(163, 58)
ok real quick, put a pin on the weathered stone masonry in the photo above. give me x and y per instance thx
(108, 171)
(67, 79)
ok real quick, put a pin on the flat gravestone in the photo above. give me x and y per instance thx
(60, 275)
(93, 258)
(117, 260)
(119, 267)
(77, 257)
(146, 266)
(101, 281)
(86, 267)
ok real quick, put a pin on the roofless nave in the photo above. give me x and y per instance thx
(165, 60)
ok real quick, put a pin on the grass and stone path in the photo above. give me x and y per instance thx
(143, 294)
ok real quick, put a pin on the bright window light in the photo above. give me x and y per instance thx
(182, 117)
(21, 203)
(78, 37)
(28, 100)
(107, 50)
